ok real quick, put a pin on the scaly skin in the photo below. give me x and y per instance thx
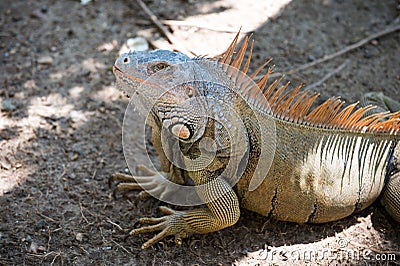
(329, 172)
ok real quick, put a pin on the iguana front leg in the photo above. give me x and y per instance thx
(221, 212)
(152, 181)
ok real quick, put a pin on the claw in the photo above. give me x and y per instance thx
(122, 177)
(155, 239)
(152, 220)
(167, 225)
(148, 229)
(167, 210)
(143, 195)
(155, 184)
(151, 228)
(128, 186)
(145, 169)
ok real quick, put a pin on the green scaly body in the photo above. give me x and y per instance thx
(322, 170)
(329, 174)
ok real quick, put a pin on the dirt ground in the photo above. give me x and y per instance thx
(61, 118)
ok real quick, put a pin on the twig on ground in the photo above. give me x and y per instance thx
(121, 246)
(47, 217)
(171, 38)
(327, 76)
(346, 49)
(48, 240)
(197, 25)
(83, 216)
(84, 250)
(117, 225)
(94, 173)
(42, 255)
(58, 254)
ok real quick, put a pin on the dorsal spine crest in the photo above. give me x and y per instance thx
(294, 105)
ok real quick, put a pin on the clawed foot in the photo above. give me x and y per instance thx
(153, 183)
(160, 186)
(172, 224)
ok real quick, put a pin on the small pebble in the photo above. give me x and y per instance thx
(137, 44)
(34, 247)
(41, 224)
(77, 116)
(85, 2)
(79, 237)
(367, 54)
(45, 60)
(39, 14)
(5, 165)
(8, 106)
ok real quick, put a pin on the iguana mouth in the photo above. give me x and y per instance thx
(115, 69)
(118, 72)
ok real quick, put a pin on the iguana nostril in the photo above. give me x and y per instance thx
(126, 60)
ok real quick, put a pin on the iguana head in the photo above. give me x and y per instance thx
(133, 68)
(152, 79)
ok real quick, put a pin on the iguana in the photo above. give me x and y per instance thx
(329, 161)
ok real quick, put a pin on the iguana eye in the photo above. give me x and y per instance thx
(151, 69)
(190, 91)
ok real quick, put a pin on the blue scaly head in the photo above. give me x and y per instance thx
(133, 68)
(157, 82)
